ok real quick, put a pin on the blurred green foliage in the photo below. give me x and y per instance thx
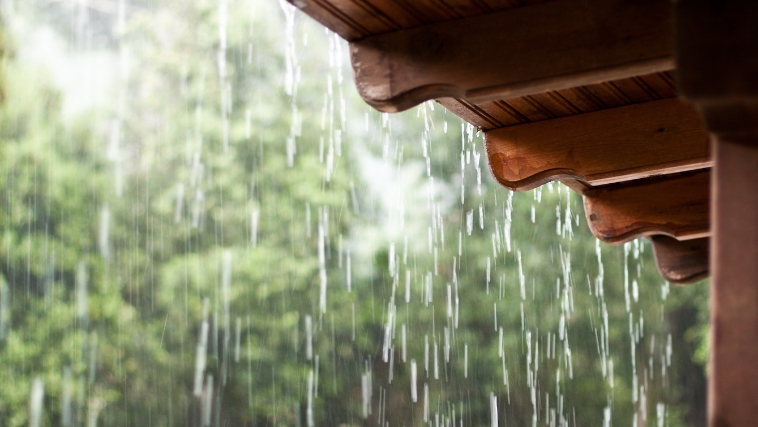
(117, 224)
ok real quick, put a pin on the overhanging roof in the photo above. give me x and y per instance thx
(569, 90)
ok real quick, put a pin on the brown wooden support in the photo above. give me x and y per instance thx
(677, 206)
(717, 67)
(516, 52)
(607, 146)
(733, 384)
(681, 262)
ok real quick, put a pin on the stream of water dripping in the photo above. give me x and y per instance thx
(288, 127)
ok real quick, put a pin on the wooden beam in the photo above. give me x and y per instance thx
(681, 262)
(603, 147)
(677, 206)
(716, 50)
(356, 19)
(733, 379)
(731, 119)
(565, 102)
(516, 52)
(716, 56)
(574, 184)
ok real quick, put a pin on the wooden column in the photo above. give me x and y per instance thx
(717, 65)
(733, 386)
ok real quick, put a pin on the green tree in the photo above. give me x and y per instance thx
(165, 255)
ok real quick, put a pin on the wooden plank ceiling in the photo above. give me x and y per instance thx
(579, 91)
(357, 19)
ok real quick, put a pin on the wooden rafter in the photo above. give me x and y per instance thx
(565, 102)
(356, 19)
(607, 146)
(516, 52)
(677, 206)
(681, 262)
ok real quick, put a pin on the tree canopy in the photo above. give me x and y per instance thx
(233, 238)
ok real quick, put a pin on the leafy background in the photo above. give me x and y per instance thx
(169, 166)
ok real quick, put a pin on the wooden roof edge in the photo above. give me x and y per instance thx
(399, 69)
(681, 262)
(475, 60)
(676, 205)
(602, 147)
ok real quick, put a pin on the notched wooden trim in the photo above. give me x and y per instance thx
(515, 52)
(681, 262)
(602, 147)
(677, 206)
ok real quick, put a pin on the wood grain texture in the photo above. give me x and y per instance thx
(733, 379)
(676, 206)
(574, 184)
(550, 46)
(681, 262)
(566, 102)
(603, 147)
(356, 19)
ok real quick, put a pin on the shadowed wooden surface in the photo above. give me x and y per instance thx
(556, 45)
(733, 385)
(356, 19)
(614, 145)
(566, 102)
(677, 206)
(681, 262)
(716, 44)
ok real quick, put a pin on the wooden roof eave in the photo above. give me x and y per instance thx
(566, 93)
(555, 45)
(681, 262)
(674, 205)
(602, 147)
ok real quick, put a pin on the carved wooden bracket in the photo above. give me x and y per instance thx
(676, 206)
(556, 45)
(681, 262)
(607, 146)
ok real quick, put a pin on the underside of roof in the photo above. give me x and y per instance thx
(648, 108)
(580, 92)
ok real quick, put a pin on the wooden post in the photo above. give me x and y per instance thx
(717, 68)
(733, 386)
